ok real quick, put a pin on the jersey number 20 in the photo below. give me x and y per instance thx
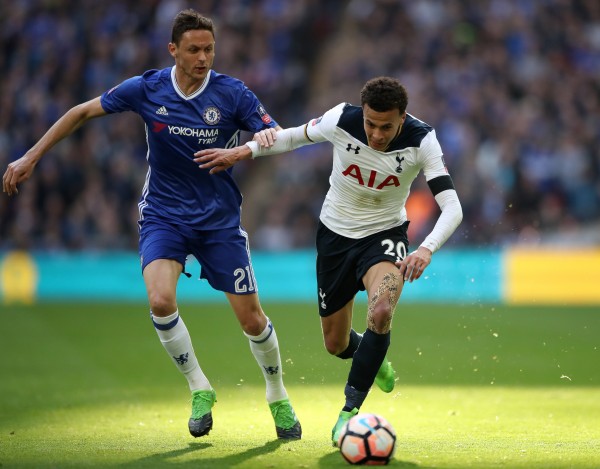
(397, 250)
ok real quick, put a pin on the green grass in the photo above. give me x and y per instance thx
(88, 385)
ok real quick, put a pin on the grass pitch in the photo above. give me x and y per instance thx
(89, 385)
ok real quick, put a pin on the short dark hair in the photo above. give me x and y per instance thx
(384, 94)
(187, 20)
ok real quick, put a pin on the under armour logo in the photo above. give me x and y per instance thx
(271, 370)
(350, 147)
(183, 358)
(399, 160)
(322, 296)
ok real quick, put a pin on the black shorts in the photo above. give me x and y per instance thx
(342, 262)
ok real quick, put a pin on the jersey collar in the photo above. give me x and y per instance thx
(195, 93)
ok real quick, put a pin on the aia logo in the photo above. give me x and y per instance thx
(374, 179)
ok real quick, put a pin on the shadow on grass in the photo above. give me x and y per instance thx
(162, 459)
(335, 459)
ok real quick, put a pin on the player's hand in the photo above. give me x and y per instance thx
(220, 159)
(266, 137)
(413, 265)
(17, 172)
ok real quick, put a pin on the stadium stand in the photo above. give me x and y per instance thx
(510, 85)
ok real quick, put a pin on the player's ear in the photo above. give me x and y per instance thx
(403, 118)
(172, 50)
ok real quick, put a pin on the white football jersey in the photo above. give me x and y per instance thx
(369, 188)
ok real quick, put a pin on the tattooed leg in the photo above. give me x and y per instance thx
(383, 303)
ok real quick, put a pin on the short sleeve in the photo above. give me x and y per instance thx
(323, 128)
(123, 97)
(253, 116)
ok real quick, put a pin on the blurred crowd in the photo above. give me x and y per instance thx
(511, 86)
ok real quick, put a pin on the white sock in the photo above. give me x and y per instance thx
(265, 349)
(177, 342)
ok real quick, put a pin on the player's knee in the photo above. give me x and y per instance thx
(380, 317)
(334, 345)
(253, 322)
(252, 327)
(162, 304)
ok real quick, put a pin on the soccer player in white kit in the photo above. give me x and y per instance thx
(378, 150)
(183, 210)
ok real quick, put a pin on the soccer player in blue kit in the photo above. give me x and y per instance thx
(378, 151)
(185, 211)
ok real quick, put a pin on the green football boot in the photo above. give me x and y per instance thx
(201, 421)
(386, 377)
(341, 421)
(287, 425)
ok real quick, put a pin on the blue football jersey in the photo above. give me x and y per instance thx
(177, 126)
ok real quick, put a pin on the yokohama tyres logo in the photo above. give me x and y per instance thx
(188, 132)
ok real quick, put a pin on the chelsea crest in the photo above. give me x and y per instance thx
(211, 115)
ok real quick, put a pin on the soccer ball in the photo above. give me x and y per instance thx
(367, 439)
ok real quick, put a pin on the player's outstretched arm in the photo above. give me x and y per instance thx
(265, 142)
(220, 159)
(21, 169)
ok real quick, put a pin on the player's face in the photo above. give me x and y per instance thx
(382, 127)
(194, 55)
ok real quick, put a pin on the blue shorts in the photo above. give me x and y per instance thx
(224, 254)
